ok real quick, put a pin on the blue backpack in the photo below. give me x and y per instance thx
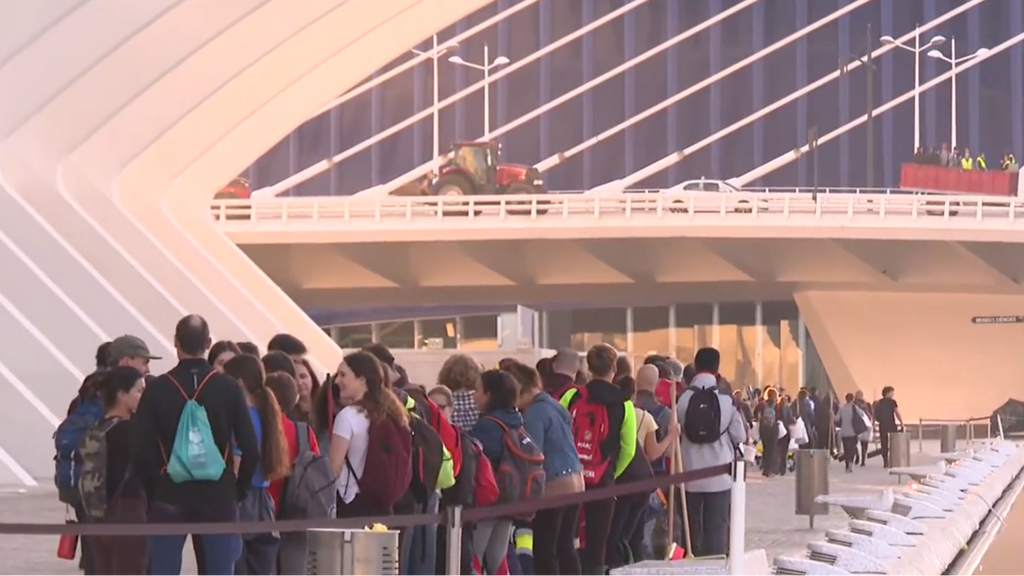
(67, 439)
(194, 455)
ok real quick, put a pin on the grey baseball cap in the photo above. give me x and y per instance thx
(128, 346)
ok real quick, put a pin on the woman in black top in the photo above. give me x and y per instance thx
(126, 502)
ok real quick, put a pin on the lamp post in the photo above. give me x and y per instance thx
(434, 53)
(486, 68)
(917, 50)
(953, 61)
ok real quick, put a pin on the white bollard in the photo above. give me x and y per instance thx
(738, 518)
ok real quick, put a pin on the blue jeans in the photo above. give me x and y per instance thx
(220, 551)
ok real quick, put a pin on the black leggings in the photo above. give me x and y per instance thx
(554, 535)
(625, 522)
(597, 523)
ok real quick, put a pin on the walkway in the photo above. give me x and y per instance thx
(771, 525)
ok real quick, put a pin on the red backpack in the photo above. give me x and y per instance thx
(520, 474)
(590, 427)
(485, 487)
(388, 470)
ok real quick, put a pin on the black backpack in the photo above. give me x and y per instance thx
(463, 493)
(703, 418)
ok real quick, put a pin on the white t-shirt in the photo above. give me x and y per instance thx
(352, 425)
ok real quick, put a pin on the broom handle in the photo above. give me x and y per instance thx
(677, 466)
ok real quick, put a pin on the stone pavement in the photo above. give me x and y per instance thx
(771, 502)
(771, 522)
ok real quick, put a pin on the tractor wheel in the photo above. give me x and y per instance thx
(524, 189)
(454, 187)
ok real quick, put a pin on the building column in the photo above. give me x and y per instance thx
(759, 343)
(672, 342)
(715, 316)
(417, 331)
(801, 344)
(629, 331)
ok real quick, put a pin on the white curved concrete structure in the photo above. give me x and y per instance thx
(118, 121)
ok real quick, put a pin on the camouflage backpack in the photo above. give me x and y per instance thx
(93, 485)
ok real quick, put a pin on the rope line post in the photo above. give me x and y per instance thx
(737, 518)
(453, 551)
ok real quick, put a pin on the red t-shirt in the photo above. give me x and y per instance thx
(288, 427)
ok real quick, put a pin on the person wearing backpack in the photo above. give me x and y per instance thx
(371, 441)
(712, 428)
(109, 491)
(562, 378)
(604, 430)
(767, 416)
(309, 492)
(259, 550)
(548, 424)
(184, 427)
(517, 462)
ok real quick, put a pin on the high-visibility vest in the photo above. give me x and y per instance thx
(979, 162)
(967, 164)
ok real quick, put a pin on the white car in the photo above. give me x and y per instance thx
(705, 185)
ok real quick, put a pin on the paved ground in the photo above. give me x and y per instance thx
(771, 522)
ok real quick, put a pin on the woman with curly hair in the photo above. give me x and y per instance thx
(461, 373)
(369, 403)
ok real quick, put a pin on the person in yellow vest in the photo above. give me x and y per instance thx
(966, 162)
(979, 162)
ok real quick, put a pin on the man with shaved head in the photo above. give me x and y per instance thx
(564, 366)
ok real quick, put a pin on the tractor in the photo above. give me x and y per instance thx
(474, 169)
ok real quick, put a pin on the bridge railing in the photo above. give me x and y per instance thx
(735, 206)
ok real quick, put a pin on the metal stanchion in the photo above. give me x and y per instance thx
(738, 518)
(920, 435)
(453, 520)
(811, 482)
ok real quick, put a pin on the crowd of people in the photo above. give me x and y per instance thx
(779, 424)
(960, 158)
(227, 435)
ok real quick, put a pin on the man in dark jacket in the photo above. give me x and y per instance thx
(156, 425)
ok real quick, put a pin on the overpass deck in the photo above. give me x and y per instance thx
(571, 216)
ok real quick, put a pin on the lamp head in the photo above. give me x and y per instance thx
(449, 45)
(981, 52)
(936, 54)
(456, 59)
(887, 40)
(500, 61)
(937, 40)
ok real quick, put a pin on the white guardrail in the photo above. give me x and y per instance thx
(242, 214)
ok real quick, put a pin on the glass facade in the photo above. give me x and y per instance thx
(762, 343)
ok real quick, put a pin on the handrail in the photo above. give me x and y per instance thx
(966, 422)
(734, 207)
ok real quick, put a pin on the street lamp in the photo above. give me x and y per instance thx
(434, 53)
(917, 50)
(952, 60)
(486, 68)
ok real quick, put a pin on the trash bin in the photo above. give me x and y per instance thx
(338, 552)
(811, 482)
(947, 438)
(899, 449)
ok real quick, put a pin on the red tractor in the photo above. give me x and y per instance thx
(474, 169)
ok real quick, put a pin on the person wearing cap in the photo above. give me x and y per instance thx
(131, 351)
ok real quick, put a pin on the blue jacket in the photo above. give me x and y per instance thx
(491, 436)
(548, 424)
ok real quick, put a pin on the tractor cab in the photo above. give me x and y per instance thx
(474, 169)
